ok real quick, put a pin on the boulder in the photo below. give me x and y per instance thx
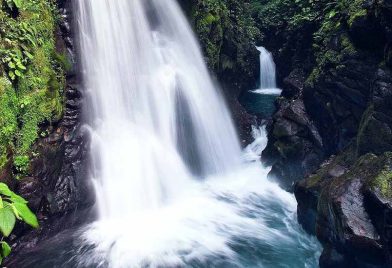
(347, 205)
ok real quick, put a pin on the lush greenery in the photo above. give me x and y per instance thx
(31, 96)
(227, 33)
(31, 77)
(229, 29)
(324, 19)
(12, 207)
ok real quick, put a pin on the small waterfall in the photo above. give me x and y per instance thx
(261, 101)
(267, 74)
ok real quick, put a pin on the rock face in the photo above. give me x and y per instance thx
(331, 139)
(296, 140)
(347, 205)
(57, 184)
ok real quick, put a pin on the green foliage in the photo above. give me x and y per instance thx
(383, 182)
(282, 15)
(12, 207)
(210, 18)
(31, 77)
(326, 19)
(14, 3)
(223, 24)
(8, 118)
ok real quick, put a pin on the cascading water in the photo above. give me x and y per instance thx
(261, 101)
(153, 105)
(267, 73)
(173, 187)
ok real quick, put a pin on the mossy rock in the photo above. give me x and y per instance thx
(357, 17)
(373, 135)
(32, 78)
(383, 182)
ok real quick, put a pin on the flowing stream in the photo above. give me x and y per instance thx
(174, 188)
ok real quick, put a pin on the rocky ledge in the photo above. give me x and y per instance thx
(347, 204)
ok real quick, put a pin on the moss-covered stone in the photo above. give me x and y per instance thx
(227, 34)
(383, 183)
(31, 77)
(8, 119)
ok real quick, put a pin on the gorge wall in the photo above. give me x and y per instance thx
(330, 139)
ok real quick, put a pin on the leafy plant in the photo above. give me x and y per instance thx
(15, 62)
(14, 3)
(12, 207)
(31, 77)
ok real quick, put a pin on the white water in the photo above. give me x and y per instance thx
(173, 187)
(267, 74)
(154, 105)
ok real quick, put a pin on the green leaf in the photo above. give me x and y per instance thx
(5, 249)
(332, 14)
(4, 190)
(18, 73)
(26, 214)
(28, 54)
(12, 75)
(21, 66)
(17, 199)
(15, 211)
(11, 65)
(7, 220)
(18, 3)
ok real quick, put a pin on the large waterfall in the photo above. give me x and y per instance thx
(173, 187)
(153, 105)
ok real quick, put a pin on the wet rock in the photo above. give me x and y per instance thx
(294, 142)
(294, 83)
(342, 204)
(330, 258)
(33, 191)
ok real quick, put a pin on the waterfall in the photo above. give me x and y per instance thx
(267, 74)
(153, 104)
(173, 187)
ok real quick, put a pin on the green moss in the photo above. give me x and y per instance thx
(383, 182)
(63, 60)
(283, 15)
(348, 47)
(356, 15)
(313, 77)
(222, 24)
(21, 163)
(8, 118)
(30, 61)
